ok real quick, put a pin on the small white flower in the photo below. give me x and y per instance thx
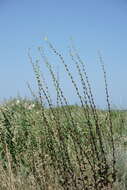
(31, 106)
(18, 101)
(25, 105)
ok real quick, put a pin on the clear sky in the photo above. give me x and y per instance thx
(93, 24)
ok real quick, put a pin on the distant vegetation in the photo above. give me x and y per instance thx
(63, 147)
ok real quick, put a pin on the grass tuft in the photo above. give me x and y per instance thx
(63, 147)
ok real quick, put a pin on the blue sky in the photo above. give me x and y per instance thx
(93, 24)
